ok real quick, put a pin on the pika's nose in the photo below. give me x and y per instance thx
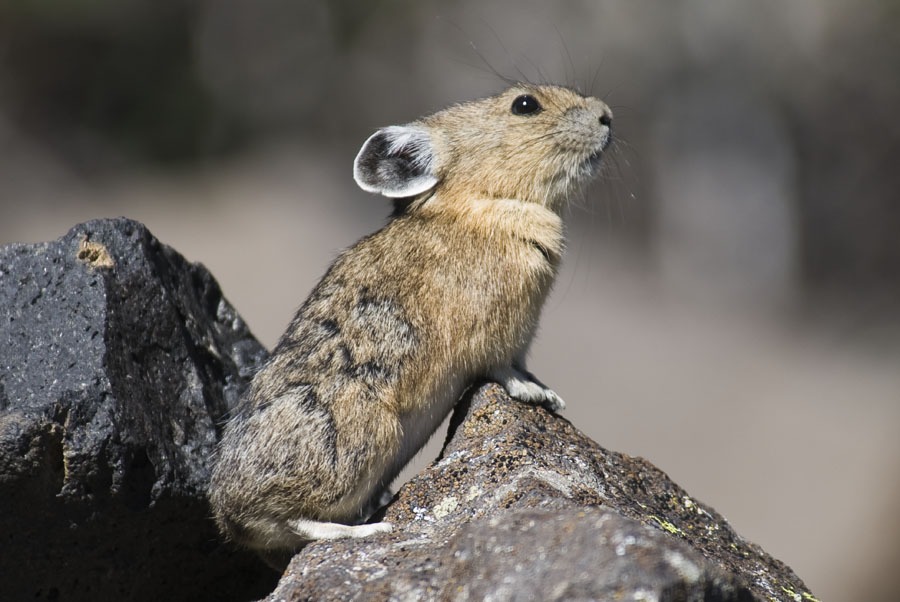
(606, 119)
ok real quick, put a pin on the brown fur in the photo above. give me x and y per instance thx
(450, 290)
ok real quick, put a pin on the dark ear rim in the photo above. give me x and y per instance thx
(396, 162)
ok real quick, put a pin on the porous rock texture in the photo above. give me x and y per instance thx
(119, 360)
(118, 363)
(523, 506)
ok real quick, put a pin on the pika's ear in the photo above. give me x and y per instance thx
(397, 162)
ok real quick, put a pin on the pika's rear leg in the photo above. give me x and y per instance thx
(303, 532)
(312, 530)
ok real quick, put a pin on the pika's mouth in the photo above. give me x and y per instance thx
(595, 157)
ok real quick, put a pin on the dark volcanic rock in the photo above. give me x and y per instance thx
(118, 362)
(522, 506)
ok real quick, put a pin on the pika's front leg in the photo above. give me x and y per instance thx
(522, 385)
(379, 500)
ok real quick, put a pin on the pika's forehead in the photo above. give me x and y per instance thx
(553, 99)
(550, 97)
(541, 91)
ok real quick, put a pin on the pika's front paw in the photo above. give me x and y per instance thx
(524, 387)
(552, 401)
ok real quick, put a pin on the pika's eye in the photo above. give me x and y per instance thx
(526, 104)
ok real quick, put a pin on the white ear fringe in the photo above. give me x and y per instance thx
(380, 168)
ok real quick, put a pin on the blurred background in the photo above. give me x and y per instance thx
(730, 303)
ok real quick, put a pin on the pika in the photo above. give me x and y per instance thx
(448, 291)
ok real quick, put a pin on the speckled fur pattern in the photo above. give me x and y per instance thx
(449, 290)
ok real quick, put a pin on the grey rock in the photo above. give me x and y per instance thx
(523, 506)
(119, 361)
(590, 554)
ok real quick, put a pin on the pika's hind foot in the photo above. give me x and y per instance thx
(522, 385)
(312, 530)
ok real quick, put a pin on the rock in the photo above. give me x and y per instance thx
(118, 363)
(522, 506)
(585, 554)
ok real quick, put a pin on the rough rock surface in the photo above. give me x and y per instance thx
(522, 506)
(118, 361)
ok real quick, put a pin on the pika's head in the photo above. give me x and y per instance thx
(532, 143)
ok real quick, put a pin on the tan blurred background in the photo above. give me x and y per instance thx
(730, 303)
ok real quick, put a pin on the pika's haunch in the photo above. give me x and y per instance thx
(449, 290)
